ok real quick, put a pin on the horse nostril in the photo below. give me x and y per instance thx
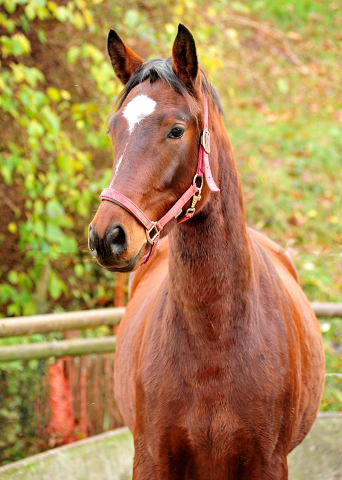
(116, 240)
(92, 239)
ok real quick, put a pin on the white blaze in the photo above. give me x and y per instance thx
(139, 108)
(118, 165)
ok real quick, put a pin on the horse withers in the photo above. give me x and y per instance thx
(219, 367)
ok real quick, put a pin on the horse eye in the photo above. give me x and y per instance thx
(176, 132)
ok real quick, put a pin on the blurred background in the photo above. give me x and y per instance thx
(277, 65)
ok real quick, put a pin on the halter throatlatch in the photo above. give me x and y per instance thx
(153, 229)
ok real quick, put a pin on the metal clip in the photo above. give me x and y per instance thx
(197, 196)
(149, 239)
(190, 210)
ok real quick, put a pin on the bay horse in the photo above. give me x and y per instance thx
(219, 366)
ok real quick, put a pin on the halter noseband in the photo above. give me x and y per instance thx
(153, 229)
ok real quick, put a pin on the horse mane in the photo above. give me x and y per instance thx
(159, 69)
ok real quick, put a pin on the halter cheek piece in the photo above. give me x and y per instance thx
(153, 229)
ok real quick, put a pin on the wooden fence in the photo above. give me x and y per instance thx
(18, 326)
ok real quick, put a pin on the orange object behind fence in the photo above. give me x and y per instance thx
(72, 382)
(62, 426)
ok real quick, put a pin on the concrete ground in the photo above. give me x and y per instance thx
(109, 457)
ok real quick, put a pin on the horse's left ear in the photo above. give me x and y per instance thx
(184, 58)
(125, 62)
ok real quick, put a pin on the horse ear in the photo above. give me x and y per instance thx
(125, 62)
(184, 58)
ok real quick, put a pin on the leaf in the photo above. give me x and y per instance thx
(52, 119)
(132, 18)
(13, 277)
(54, 209)
(12, 227)
(39, 3)
(30, 12)
(54, 94)
(77, 21)
(21, 44)
(62, 14)
(79, 270)
(41, 35)
(6, 173)
(10, 5)
(65, 95)
(72, 54)
(282, 85)
(54, 287)
(35, 128)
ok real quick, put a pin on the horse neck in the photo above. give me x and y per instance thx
(209, 258)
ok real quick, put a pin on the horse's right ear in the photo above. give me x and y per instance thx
(125, 62)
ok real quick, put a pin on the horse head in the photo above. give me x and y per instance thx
(156, 133)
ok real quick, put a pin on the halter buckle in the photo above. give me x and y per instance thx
(148, 232)
(205, 140)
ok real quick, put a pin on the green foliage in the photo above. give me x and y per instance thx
(41, 154)
(19, 394)
(50, 131)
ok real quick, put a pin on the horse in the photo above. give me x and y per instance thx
(219, 366)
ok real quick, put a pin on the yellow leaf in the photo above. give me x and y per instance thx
(24, 42)
(18, 72)
(65, 94)
(178, 10)
(170, 28)
(333, 219)
(312, 213)
(54, 94)
(12, 227)
(211, 12)
(231, 92)
(88, 18)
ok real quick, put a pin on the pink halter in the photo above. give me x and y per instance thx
(153, 229)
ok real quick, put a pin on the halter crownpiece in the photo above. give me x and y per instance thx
(153, 229)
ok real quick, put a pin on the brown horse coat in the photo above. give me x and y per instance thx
(219, 367)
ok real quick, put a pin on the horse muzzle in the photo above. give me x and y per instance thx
(116, 240)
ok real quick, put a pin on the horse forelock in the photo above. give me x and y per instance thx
(159, 69)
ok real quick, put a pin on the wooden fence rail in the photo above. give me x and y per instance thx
(76, 320)
(326, 309)
(60, 348)
(54, 322)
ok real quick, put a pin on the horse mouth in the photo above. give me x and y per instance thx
(124, 266)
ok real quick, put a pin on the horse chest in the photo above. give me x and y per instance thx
(201, 391)
(197, 425)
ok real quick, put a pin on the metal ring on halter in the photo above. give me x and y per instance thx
(194, 181)
(205, 140)
(149, 239)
